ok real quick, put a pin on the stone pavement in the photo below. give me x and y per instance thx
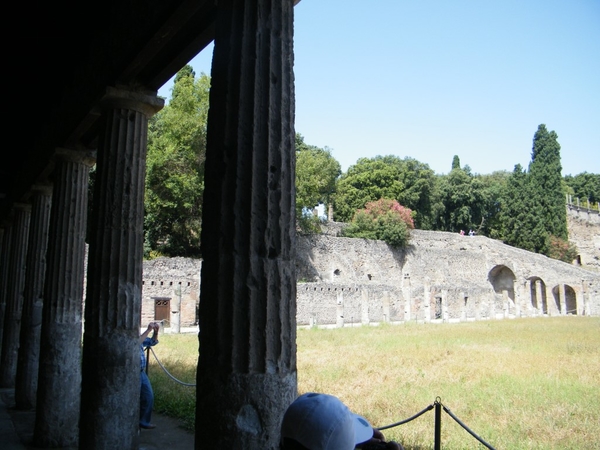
(16, 429)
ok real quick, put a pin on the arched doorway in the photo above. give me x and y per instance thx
(502, 280)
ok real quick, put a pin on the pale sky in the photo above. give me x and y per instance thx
(430, 79)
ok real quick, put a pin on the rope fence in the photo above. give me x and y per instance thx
(437, 405)
(149, 349)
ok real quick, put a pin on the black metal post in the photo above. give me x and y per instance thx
(437, 444)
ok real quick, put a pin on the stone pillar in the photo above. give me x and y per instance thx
(426, 304)
(584, 299)
(528, 298)
(110, 386)
(364, 307)
(386, 307)
(406, 294)
(445, 316)
(247, 372)
(59, 377)
(538, 297)
(518, 297)
(14, 295)
(31, 317)
(340, 310)
(505, 303)
(4, 263)
(562, 300)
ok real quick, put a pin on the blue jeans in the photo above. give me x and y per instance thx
(146, 400)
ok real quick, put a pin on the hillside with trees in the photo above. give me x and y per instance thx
(522, 208)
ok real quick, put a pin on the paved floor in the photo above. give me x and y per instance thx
(16, 429)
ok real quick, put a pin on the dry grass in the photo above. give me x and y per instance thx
(519, 384)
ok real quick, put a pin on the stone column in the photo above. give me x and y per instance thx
(364, 307)
(4, 263)
(14, 295)
(528, 299)
(505, 303)
(445, 316)
(406, 294)
(110, 387)
(59, 377)
(386, 307)
(247, 368)
(518, 291)
(538, 297)
(426, 304)
(562, 300)
(31, 317)
(340, 310)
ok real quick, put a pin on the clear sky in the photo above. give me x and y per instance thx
(430, 79)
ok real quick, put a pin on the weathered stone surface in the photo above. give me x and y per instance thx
(441, 276)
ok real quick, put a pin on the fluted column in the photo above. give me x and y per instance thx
(247, 368)
(4, 258)
(14, 295)
(59, 376)
(31, 316)
(110, 386)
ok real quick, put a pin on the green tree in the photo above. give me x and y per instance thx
(407, 181)
(546, 180)
(316, 173)
(465, 201)
(455, 162)
(384, 219)
(175, 169)
(519, 214)
(584, 186)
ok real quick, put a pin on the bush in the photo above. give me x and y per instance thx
(385, 220)
(562, 250)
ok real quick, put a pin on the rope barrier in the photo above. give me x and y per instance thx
(467, 428)
(167, 372)
(429, 408)
(438, 407)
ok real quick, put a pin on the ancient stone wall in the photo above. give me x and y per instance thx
(439, 277)
(166, 283)
(584, 232)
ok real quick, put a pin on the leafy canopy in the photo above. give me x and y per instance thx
(385, 220)
(175, 169)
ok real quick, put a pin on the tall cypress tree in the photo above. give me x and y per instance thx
(545, 180)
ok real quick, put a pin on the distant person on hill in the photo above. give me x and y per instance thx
(146, 392)
(462, 232)
(322, 422)
(471, 233)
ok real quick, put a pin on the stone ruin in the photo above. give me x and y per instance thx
(439, 277)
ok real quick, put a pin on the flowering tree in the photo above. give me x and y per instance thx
(384, 219)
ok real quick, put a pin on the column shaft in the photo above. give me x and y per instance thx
(4, 263)
(31, 317)
(59, 376)
(110, 386)
(14, 296)
(247, 366)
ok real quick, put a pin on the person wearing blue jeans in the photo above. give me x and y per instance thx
(146, 392)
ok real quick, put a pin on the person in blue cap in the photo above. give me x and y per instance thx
(322, 422)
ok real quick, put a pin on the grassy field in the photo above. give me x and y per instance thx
(529, 383)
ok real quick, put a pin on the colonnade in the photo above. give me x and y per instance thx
(85, 388)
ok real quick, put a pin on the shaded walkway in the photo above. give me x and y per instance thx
(16, 429)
